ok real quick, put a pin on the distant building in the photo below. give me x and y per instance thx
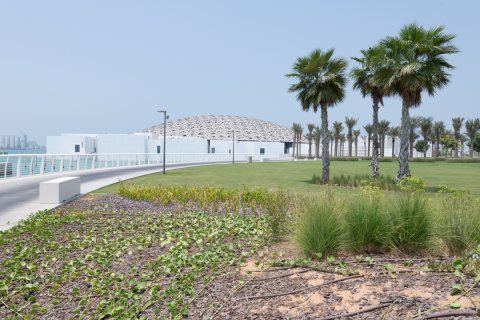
(195, 135)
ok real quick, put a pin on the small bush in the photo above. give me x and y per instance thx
(367, 227)
(460, 223)
(319, 229)
(412, 183)
(410, 223)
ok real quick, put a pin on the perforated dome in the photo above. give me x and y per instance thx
(221, 127)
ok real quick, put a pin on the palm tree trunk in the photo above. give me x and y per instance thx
(437, 149)
(410, 143)
(404, 170)
(310, 148)
(368, 148)
(356, 147)
(325, 141)
(375, 155)
(393, 147)
(350, 143)
(336, 148)
(456, 147)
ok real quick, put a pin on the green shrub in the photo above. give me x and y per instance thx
(459, 223)
(410, 223)
(319, 228)
(384, 182)
(463, 160)
(412, 183)
(366, 224)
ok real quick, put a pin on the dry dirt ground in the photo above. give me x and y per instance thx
(303, 293)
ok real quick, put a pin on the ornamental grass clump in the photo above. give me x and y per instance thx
(411, 226)
(366, 224)
(459, 223)
(319, 229)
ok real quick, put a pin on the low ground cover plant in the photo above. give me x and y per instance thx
(117, 262)
(277, 205)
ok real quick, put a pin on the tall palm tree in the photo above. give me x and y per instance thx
(394, 133)
(299, 140)
(383, 127)
(296, 128)
(365, 81)
(438, 131)
(350, 123)
(356, 134)
(310, 137)
(320, 83)
(341, 139)
(457, 127)
(337, 131)
(368, 129)
(412, 132)
(472, 126)
(318, 136)
(415, 63)
(426, 125)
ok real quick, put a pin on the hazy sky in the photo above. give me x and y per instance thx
(107, 66)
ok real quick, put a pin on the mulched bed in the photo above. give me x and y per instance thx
(257, 291)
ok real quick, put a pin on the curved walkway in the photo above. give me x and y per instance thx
(19, 197)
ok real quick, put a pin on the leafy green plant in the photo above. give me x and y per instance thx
(411, 226)
(384, 182)
(412, 183)
(319, 229)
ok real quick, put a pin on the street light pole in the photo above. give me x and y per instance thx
(164, 135)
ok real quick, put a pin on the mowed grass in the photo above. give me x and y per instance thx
(296, 176)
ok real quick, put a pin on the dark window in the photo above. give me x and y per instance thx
(77, 148)
(213, 150)
(158, 149)
(262, 150)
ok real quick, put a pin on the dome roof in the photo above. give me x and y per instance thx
(221, 127)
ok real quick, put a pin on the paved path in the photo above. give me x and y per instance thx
(19, 196)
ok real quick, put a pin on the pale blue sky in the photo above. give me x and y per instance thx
(107, 66)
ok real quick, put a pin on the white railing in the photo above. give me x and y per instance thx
(21, 165)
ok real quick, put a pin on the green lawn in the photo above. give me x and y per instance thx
(295, 176)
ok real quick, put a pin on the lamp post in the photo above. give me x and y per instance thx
(165, 117)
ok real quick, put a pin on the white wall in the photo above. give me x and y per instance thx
(65, 144)
(121, 143)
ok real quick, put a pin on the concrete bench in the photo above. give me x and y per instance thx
(59, 190)
(264, 160)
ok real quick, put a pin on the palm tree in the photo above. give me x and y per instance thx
(321, 83)
(299, 141)
(412, 132)
(350, 123)
(438, 131)
(383, 127)
(310, 137)
(414, 63)
(337, 131)
(426, 125)
(318, 135)
(365, 81)
(368, 128)
(394, 133)
(296, 128)
(356, 134)
(457, 127)
(342, 140)
(472, 126)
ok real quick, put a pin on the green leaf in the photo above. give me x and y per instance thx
(455, 305)
(388, 266)
(456, 289)
(457, 264)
